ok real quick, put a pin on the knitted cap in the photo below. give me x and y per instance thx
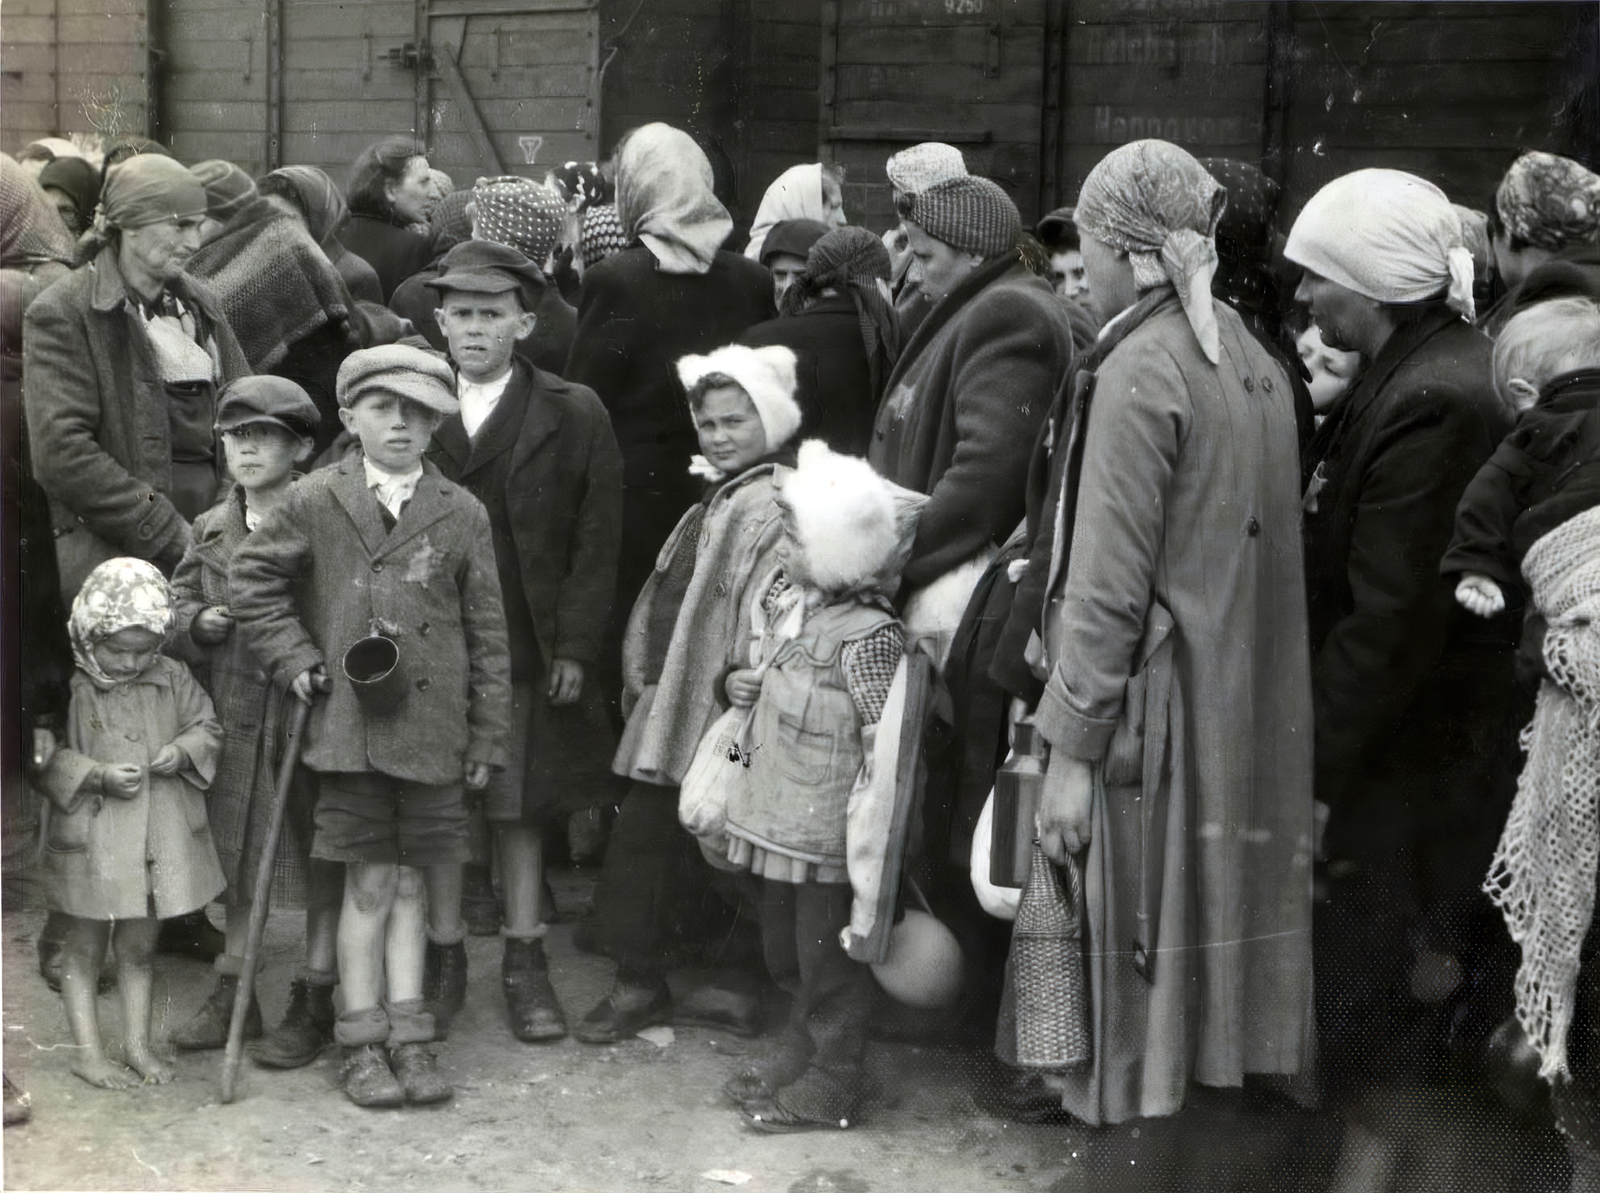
(794, 237)
(766, 374)
(519, 213)
(229, 190)
(969, 213)
(413, 373)
(602, 234)
(914, 170)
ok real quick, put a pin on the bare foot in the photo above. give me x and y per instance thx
(97, 1070)
(154, 1071)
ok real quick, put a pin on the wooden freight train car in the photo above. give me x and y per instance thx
(1033, 91)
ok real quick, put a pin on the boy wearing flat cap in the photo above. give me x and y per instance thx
(539, 453)
(380, 546)
(266, 424)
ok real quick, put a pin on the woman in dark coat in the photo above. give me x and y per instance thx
(844, 332)
(122, 361)
(389, 194)
(1413, 695)
(675, 292)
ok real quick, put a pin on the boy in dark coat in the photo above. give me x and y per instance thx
(380, 546)
(540, 455)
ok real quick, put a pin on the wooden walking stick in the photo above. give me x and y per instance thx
(263, 898)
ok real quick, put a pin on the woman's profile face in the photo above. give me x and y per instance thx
(411, 193)
(730, 430)
(156, 253)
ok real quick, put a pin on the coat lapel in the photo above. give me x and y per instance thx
(433, 500)
(360, 503)
(498, 433)
(538, 417)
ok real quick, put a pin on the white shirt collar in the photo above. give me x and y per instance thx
(392, 490)
(479, 400)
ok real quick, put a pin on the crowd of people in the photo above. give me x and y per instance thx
(483, 515)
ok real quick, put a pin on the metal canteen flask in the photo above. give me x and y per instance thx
(1018, 785)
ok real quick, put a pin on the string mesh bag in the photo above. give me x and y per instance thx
(1052, 1000)
(1543, 873)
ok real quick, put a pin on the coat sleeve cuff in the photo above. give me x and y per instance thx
(298, 661)
(1070, 731)
(491, 755)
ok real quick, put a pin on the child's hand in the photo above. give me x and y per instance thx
(744, 687)
(308, 683)
(122, 780)
(475, 776)
(168, 760)
(211, 626)
(45, 746)
(566, 681)
(1480, 595)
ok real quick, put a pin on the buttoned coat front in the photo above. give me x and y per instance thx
(97, 409)
(321, 571)
(560, 497)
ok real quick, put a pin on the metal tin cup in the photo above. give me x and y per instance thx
(372, 665)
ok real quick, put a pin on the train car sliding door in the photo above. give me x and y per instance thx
(508, 86)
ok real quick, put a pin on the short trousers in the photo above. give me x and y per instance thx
(365, 816)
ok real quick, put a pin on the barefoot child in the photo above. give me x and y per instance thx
(829, 645)
(267, 426)
(127, 843)
(379, 545)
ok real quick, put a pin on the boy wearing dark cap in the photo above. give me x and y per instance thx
(539, 453)
(266, 424)
(380, 546)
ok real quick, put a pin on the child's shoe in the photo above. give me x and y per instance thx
(192, 935)
(367, 1079)
(531, 1002)
(306, 1029)
(209, 1026)
(417, 1071)
(444, 982)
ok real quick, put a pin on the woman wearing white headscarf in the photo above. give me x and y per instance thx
(809, 192)
(1413, 742)
(1177, 562)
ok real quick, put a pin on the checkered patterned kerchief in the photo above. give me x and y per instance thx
(520, 214)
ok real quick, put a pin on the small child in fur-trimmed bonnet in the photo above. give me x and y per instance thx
(827, 649)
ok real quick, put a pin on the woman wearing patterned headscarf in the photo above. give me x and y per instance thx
(1545, 230)
(1176, 560)
(673, 292)
(1411, 700)
(839, 322)
(122, 361)
(319, 199)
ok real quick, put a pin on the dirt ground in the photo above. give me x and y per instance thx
(638, 1116)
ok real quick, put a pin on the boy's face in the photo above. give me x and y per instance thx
(482, 330)
(262, 455)
(393, 430)
(128, 653)
(1331, 370)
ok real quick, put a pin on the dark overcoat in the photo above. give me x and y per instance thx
(837, 400)
(322, 571)
(1404, 680)
(97, 409)
(559, 497)
(963, 407)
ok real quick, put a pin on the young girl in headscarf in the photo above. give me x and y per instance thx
(127, 842)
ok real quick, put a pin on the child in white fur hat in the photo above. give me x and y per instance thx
(827, 648)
